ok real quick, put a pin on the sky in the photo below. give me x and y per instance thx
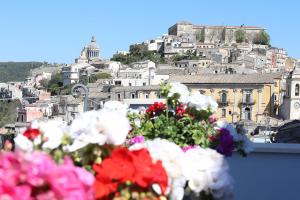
(57, 30)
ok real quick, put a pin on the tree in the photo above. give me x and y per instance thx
(102, 75)
(240, 36)
(8, 111)
(138, 52)
(262, 38)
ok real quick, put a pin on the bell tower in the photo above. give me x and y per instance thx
(293, 91)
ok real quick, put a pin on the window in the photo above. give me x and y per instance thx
(297, 90)
(223, 97)
(129, 84)
(132, 95)
(275, 97)
(223, 112)
(247, 97)
(202, 91)
(229, 112)
(147, 96)
(247, 114)
(144, 83)
(119, 96)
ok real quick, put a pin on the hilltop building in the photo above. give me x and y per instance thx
(212, 34)
(90, 53)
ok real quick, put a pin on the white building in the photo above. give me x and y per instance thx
(90, 53)
(291, 105)
(141, 74)
(276, 58)
(71, 74)
(10, 91)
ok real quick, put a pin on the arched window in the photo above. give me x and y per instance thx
(247, 114)
(224, 97)
(297, 90)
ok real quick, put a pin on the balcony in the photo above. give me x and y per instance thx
(222, 103)
(247, 102)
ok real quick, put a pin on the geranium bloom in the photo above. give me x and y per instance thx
(202, 102)
(137, 139)
(116, 106)
(37, 176)
(98, 127)
(32, 133)
(181, 90)
(206, 170)
(125, 166)
(171, 156)
(180, 110)
(156, 109)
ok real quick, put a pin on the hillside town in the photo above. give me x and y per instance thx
(256, 85)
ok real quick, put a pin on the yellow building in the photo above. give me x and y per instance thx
(240, 97)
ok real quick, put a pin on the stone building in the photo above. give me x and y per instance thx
(240, 97)
(212, 34)
(291, 108)
(137, 96)
(90, 53)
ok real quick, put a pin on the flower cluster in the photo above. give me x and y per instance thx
(188, 120)
(132, 171)
(35, 175)
(156, 109)
(107, 126)
(168, 151)
(204, 170)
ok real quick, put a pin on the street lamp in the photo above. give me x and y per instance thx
(81, 90)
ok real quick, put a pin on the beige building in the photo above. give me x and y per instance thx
(240, 97)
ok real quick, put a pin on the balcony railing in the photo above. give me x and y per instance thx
(222, 103)
(246, 102)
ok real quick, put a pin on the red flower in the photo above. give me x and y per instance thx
(31, 133)
(123, 165)
(180, 110)
(156, 109)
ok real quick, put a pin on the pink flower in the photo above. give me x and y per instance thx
(35, 175)
(212, 119)
(185, 149)
(137, 139)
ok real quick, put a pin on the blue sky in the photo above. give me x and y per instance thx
(56, 30)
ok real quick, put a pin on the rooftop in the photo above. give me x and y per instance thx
(136, 88)
(225, 78)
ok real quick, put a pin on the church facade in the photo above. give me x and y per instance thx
(90, 53)
(291, 107)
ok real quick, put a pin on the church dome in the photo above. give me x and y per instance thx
(93, 44)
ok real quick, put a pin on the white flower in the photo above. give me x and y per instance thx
(53, 132)
(202, 102)
(115, 126)
(205, 169)
(23, 143)
(116, 106)
(182, 90)
(99, 127)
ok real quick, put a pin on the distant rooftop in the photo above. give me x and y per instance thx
(225, 78)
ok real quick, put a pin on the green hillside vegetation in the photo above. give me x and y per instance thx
(16, 71)
(138, 52)
(8, 111)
